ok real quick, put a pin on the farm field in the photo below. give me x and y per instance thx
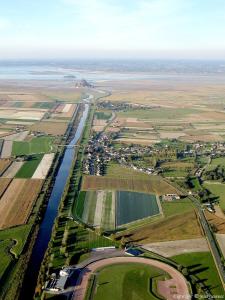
(13, 169)
(4, 164)
(177, 169)
(4, 182)
(42, 170)
(102, 115)
(205, 269)
(152, 185)
(6, 149)
(178, 226)
(21, 115)
(29, 167)
(218, 189)
(50, 127)
(111, 209)
(96, 208)
(127, 281)
(17, 201)
(132, 206)
(35, 146)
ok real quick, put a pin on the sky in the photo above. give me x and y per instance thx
(112, 29)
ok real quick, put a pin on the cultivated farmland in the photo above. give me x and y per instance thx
(4, 182)
(177, 227)
(36, 145)
(48, 127)
(6, 149)
(110, 209)
(44, 166)
(29, 167)
(131, 206)
(96, 208)
(13, 169)
(153, 185)
(4, 164)
(17, 201)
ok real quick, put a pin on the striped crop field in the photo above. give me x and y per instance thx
(110, 209)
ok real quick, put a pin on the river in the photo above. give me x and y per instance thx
(44, 233)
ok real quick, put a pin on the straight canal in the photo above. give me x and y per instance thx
(45, 230)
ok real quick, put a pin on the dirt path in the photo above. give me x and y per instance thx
(172, 248)
(177, 281)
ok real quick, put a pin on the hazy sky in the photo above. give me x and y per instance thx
(112, 28)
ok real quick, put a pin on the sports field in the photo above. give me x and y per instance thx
(127, 281)
(35, 146)
(132, 206)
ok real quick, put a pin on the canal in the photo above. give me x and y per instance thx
(45, 230)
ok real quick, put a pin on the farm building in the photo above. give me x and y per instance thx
(170, 197)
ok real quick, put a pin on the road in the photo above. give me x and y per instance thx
(209, 235)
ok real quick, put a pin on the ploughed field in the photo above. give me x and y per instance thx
(111, 209)
(152, 184)
(17, 201)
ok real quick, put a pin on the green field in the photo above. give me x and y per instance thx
(176, 207)
(11, 245)
(115, 170)
(127, 281)
(101, 115)
(202, 266)
(132, 206)
(79, 208)
(85, 208)
(35, 146)
(29, 167)
(218, 161)
(158, 113)
(218, 189)
(43, 105)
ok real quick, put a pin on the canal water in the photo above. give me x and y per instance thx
(45, 230)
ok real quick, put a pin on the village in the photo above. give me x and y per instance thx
(102, 149)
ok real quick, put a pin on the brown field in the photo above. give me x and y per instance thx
(203, 138)
(4, 164)
(143, 142)
(17, 201)
(4, 182)
(63, 112)
(215, 221)
(25, 97)
(6, 149)
(154, 184)
(53, 128)
(180, 227)
(177, 165)
(13, 169)
(171, 135)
